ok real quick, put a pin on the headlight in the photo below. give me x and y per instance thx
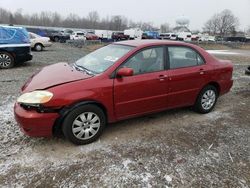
(35, 97)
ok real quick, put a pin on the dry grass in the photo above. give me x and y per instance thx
(211, 46)
(244, 60)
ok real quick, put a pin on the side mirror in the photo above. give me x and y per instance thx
(125, 71)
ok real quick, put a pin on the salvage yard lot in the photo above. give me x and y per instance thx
(176, 148)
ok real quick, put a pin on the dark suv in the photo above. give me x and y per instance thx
(59, 36)
(14, 46)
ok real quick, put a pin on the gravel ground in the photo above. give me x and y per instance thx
(176, 148)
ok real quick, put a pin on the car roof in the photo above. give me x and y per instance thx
(11, 27)
(138, 43)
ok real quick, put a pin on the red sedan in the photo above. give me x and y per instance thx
(91, 36)
(120, 81)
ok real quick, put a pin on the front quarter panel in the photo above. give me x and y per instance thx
(98, 89)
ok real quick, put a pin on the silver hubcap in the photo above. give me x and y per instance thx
(38, 47)
(5, 60)
(208, 99)
(86, 125)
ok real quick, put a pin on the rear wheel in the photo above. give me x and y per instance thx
(206, 99)
(38, 47)
(84, 124)
(247, 70)
(6, 60)
(56, 39)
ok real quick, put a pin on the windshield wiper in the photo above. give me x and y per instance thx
(81, 68)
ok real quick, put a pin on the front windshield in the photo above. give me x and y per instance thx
(101, 59)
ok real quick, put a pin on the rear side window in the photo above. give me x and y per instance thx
(183, 57)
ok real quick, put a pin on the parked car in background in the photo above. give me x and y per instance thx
(165, 36)
(120, 81)
(104, 34)
(38, 31)
(235, 39)
(78, 35)
(184, 36)
(168, 36)
(14, 46)
(119, 36)
(91, 36)
(150, 35)
(134, 33)
(206, 37)
(38, 43)
(145, 36)
(59, 36)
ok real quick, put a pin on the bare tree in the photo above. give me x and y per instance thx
(118, 23)
(4, 16)
(93, 18)
(212, 25)
(228, 22)
(223, 23)
(91, 21)
(165, 28)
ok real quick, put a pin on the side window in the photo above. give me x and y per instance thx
(183, 57)
(149, 60)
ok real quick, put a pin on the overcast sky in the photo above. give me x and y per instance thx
(156, 11)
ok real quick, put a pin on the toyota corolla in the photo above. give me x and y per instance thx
(119, 81)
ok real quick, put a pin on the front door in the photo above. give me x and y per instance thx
(146, 90)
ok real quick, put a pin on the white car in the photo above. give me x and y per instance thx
(38, 42)
(135, 33)
(78, 35)
(184, 36)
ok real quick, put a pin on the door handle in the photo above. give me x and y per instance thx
(202, 71)
(162, 77)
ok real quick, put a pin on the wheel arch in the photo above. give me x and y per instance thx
(216, 85)
(11, 53)
(66, 110)
(38, 43)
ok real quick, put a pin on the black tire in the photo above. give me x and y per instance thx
(6, 60)
(38, 47)
(199, 104)
(247, 71)
(68, 124)
(56, 39)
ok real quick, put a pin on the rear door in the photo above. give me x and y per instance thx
(146, 90)
(187, 75)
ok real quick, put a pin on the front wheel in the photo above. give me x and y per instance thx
(206, 99)
(84, 124)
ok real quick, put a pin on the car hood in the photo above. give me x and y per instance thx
(53, 75)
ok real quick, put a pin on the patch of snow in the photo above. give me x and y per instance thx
(126, 163)
(168, 178)
(222, 52)
(216, 115)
